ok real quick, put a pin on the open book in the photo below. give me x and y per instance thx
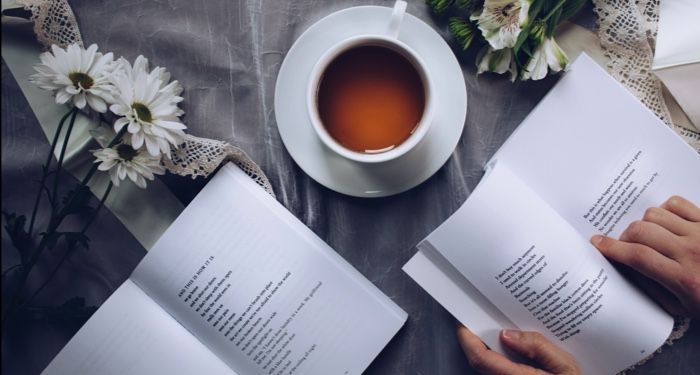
(237, 285)
(588, 160)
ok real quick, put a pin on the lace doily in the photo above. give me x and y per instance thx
(627, 33)
(55, 23)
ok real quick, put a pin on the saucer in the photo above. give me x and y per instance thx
(359, 179)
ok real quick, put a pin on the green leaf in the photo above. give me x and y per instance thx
(51, 239)
(463, 31)
(439, 6)
(522, 37)
(535, 9)
(553, 21)
(14, 226)
(11, 279)
(465, 4)
(570, 8)
(77, 238)
(77, 200)
(71, 238)
(73, 311)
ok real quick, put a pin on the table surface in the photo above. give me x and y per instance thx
(227, 55)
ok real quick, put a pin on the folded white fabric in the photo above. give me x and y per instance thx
(677, 56)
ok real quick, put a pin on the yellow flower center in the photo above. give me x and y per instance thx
(142, 112)
(81, 80)
(126, 152)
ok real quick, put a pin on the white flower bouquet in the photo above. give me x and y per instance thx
(515, 36)
(144, 128)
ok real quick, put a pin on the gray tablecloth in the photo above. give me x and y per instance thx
(227, 55)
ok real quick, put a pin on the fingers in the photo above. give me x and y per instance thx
(667, 219)
(641, 258)
(683, 208)
(487, 361)
(654, 236)
(536, 347)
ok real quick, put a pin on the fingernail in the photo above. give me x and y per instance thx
(512, 334)
(596, 240)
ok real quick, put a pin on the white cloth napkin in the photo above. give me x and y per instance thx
(677, 55)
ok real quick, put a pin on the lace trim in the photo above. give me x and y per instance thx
(201, 156)
(627, 33)
(55, 23)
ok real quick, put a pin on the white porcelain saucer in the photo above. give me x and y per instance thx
(346, 176)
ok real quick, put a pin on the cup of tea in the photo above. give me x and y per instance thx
(370, 97)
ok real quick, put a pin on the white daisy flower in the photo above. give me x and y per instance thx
(500, 21)
(76, 74)
(124, 161)
(147, 102)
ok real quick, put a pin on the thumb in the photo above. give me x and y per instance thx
(537, 348)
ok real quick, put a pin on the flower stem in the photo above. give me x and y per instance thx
(71, 247)
(46, 172)
(74, 113)
(54, 223)
(553, 10)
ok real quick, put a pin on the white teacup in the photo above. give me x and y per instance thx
(388, 40)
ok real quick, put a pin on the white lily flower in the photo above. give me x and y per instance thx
(147, 103)
(490, 60)
(76, 74)
(556, 58)
(536, 67)
(547, 54)
(501, 21)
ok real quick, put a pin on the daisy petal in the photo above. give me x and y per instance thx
(152, 146)
(96, 103)
(119, 124)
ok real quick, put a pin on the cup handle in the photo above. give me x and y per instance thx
(397, 18)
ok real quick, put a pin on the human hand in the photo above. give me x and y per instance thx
(549, 358)
(665, 247)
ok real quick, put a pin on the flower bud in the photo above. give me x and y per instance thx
(537, 31)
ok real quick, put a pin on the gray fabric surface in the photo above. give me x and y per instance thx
(227, 55)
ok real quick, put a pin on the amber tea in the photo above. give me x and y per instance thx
(370, 99)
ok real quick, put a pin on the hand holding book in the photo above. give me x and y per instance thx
(517, 254)
(533, 345)
(663, 248)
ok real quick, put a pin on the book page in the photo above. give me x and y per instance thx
(599, 156)
(131, 334)
(544, 276)
(455, 293)
(261, 290)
